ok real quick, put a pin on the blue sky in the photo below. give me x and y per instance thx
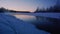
(26, 5)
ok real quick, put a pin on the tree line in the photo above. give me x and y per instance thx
(3, 10)
(54, 8)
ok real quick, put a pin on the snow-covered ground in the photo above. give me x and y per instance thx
(11, 25)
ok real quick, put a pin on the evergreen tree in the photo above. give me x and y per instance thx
(2, 9)
(37, 10)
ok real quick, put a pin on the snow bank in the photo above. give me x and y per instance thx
(11, 25)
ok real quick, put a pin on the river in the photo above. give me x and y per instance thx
(44, 23)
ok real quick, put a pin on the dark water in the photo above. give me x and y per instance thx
(51, 25)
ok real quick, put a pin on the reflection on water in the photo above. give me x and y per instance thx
(51, 25)
(38, 19)
(26, 18)
(32, 19)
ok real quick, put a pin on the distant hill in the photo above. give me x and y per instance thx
(19, 11)
(2, 10)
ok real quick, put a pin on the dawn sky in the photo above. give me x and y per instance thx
(26, 5)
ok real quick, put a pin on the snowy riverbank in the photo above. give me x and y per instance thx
(11, 25)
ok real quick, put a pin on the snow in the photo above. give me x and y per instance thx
(11, 25)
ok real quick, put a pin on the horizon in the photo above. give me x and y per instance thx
(26, 5)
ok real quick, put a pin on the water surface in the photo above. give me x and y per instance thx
(48, 24)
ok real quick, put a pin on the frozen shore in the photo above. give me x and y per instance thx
(11, 25)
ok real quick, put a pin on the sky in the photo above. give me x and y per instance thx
(26, 5)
